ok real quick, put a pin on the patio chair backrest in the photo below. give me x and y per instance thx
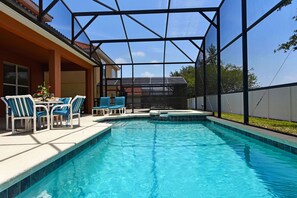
(77, 103)
(105, 101)
(4, 100)
(6, 104)
(21, 105)
(65, 101)
(120, 101)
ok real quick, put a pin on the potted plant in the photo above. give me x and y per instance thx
(43, 91)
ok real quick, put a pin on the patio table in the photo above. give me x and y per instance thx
(49, 103)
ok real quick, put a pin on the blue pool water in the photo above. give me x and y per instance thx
(142, 158)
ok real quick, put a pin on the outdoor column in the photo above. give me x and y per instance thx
(196, 88)
(204, 76)
(89, 90)
(101, 81)
(219, 64)
(245, 71)
(54, 69)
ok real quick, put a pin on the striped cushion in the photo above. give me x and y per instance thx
(21, 107)
(76, 104)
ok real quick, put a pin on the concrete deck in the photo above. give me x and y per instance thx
(24, 153)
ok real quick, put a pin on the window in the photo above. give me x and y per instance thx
(15, 79)
(113, 74)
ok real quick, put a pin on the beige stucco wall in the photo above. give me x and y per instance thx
(96, 81)
(72, 83)
(97, 78)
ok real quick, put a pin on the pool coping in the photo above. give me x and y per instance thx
(279, 140)
(20, 172)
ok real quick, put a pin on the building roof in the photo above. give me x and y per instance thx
(148, 81)
(101, 54)
(33, 8)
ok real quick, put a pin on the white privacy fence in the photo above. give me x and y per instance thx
(277, 103)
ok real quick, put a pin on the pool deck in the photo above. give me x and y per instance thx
(24, 153)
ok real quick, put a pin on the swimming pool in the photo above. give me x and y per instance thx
(144, 158)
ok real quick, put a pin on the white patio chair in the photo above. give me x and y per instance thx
(68, 111)
(23, 107)
(119, 105)
(103, 106)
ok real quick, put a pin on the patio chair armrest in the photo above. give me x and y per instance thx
(41, 106)
(60, 106)
(44, 107)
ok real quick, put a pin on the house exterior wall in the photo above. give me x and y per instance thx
(72, 83)
(35, 72)
(96, 81)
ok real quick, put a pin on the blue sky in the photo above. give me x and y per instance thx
(109, 27)
(263, 39)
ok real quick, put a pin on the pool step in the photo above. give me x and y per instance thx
(176, 115)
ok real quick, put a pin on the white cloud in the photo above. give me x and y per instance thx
(156, 65)
(120, 60)
(147, 74)
(138, 54)
(188, 24)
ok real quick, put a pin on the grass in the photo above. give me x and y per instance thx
(276, 125)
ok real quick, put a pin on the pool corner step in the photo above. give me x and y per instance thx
(178, 115)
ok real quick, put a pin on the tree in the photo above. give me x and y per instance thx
(231, 76)
(188, 73)
(292, 42)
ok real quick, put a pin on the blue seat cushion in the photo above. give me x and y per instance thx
(116, 107)
(101, 107)
(61, 112)
(40, 113)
